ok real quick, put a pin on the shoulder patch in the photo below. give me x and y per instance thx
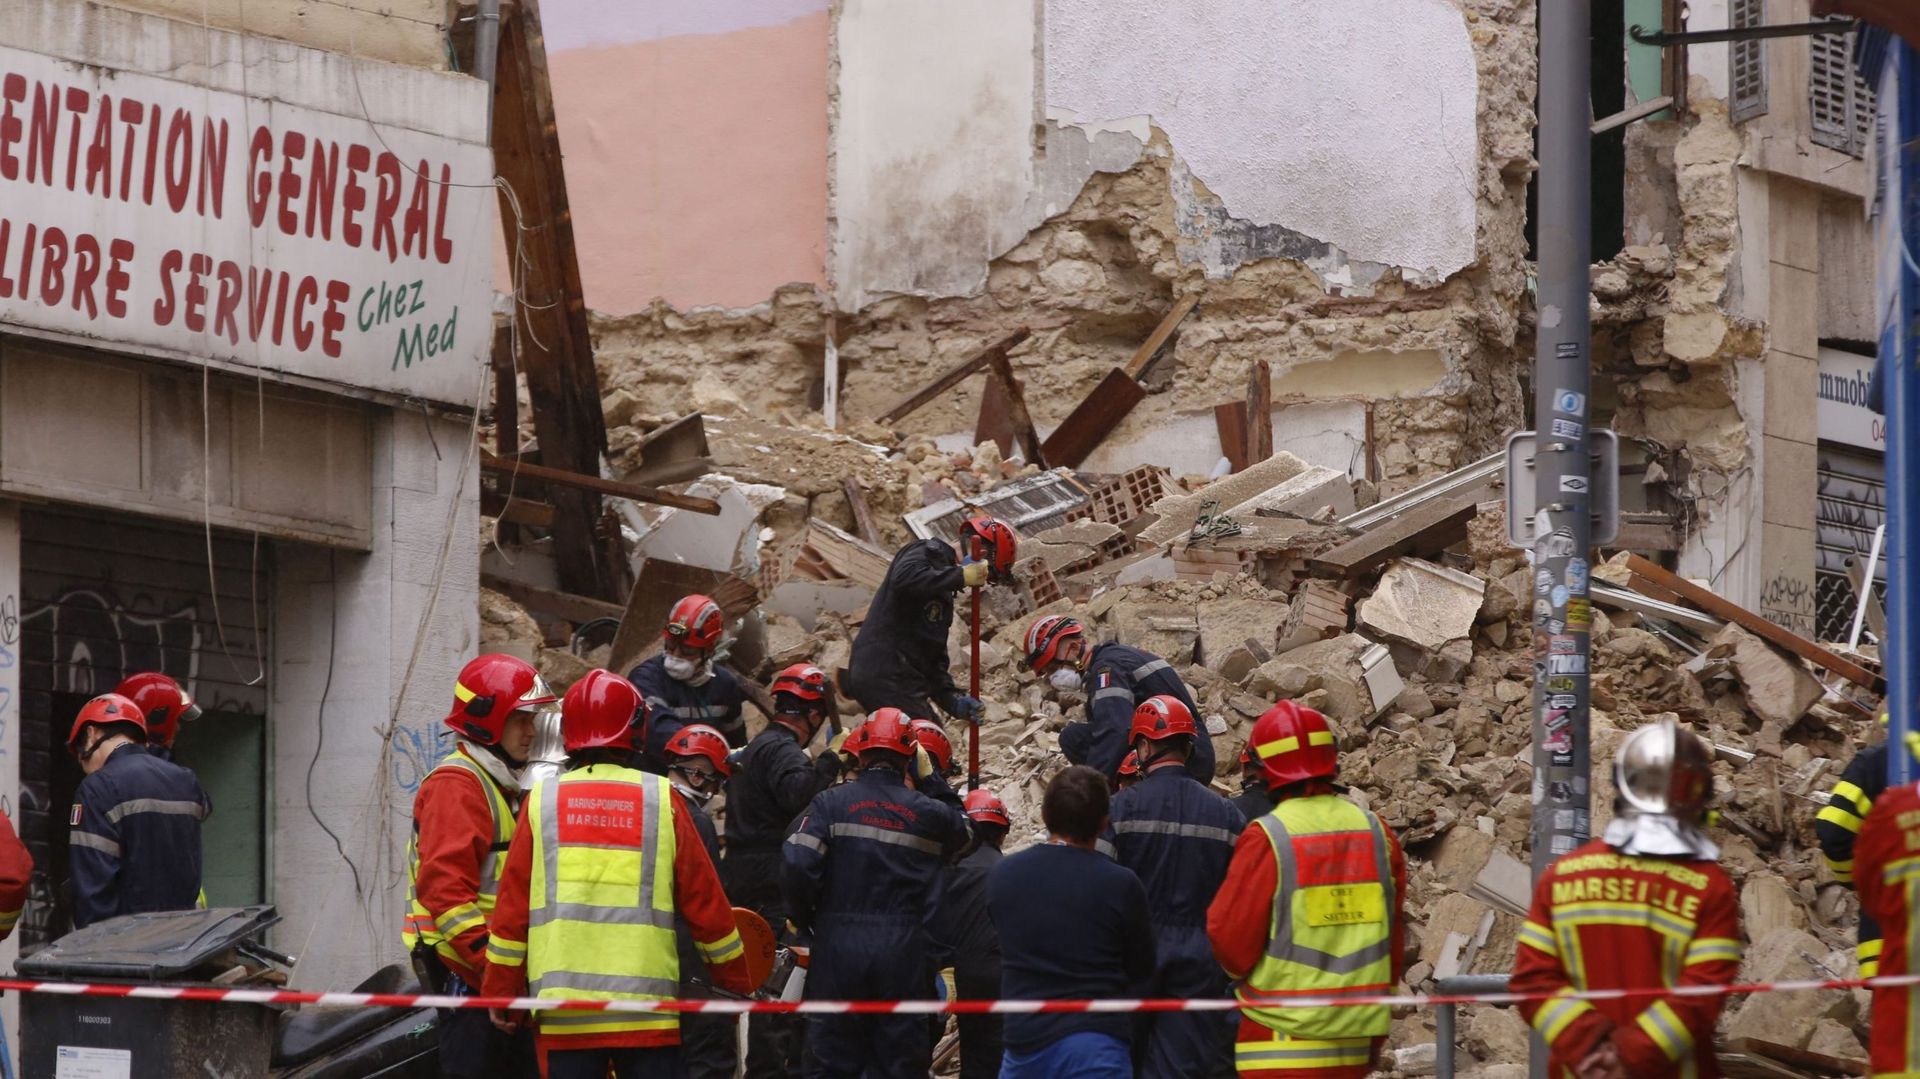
(73, 819)
(1103, 680)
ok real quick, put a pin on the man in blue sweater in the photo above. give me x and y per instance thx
(1073, 926)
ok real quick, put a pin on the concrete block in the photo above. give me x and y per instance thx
(1768, 905)
(1461, 856)
(1226, 624)
(1177, 512)
(1423, 604)
(1422, 1059)
(1786, 577)
(1835, 1040)
(1778, 687)
(1319, 610)
(1305, 494)
(1499, 1033)
(1332, 666)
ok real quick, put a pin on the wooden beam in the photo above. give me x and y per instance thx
(516, 510)
(506, 394)
(551, 602)
(1093, 419)
(556, 350)
(1732, 612)
(995, 423)
(1259, 416)
(1017, 415)
(954, 375)
(862, 512)
(1424, 529)
(563, 481)
(1148, 348)
(1230, 422)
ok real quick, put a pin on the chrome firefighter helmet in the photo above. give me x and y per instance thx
(1663, 769)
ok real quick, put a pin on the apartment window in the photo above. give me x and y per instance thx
(1840, 102)
(1749, 61)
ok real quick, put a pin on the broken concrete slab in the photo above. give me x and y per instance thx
(1306, 494)
(1423, 604)
(1767, 905)
(1177, 513)
(1168, 630)
(1318, 610)
(1226, 624)
(1777, 686)
(1332, 666)
(1786, 1018)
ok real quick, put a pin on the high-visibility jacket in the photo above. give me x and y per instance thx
(1605, 920)
(1838, 828)
(605, 858)
(463, 821)
(16, 874)
(1886, 871)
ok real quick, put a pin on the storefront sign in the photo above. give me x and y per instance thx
(167, 217)
(1843, 415)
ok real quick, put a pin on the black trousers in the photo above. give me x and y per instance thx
(662, 1063)
(981, 1043)
(471, 1047)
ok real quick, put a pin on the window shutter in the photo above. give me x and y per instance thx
(1840, 104)
(1749, 62)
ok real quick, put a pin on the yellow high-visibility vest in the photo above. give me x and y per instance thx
(600, 906)
(1331, 930)
(439, 930)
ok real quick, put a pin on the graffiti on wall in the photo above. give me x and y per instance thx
(415, 751)
(94, 638)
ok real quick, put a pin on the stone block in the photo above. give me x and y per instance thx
(1499, 1034)
(1177, 513)
(1777, 686)
(1786, 1018)
(1836, 1040)
(1332, 666)
(1767, 905)
(1305, 494)
(1461, 857)
(1423, 604)
(1226, 624)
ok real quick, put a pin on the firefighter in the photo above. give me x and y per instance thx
(900, 656)
(16, 877)
(1177, 836)
(134, 841)
(772, 783)
(1129, 773)
(1838, 825)
(463, 820)
(860, 877)
(165, 703)
(682, 685)
(964, 933)
(1885, 867)
(933, 766)
(1311, 904)
(1253, 801)
(1115, 679)
(697, 767)
(603, 834)
(1644, 905)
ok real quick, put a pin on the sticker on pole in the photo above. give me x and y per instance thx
(1575, 485)
(1569, 402)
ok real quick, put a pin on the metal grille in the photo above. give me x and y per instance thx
(1031, 506)
(1840, 103)
(1851, 504)
(1749, 62)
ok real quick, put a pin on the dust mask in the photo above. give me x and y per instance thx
(1066, 680)
(680, 668)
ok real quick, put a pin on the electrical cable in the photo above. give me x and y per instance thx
(320, 718)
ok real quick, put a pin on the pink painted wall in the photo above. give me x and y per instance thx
(695, 135)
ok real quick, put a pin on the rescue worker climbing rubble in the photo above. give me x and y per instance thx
(597, 831)
(1115, 680)
(859, 875)
(166, 705)
(463, 820)
(900, 655)
(697, 766)
(683, 685)
(1178, 837)
(1645, 905)
(1837, 826)
(1311, 905)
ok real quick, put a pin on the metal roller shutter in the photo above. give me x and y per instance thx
(1852, 503)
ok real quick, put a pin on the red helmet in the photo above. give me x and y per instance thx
(1294, 744)
(700, 740)
(989, 540)
(1045, 637)
(983, 806)
(1129, 767)
(104, 709)
(889, 729)
(162, 700)
(603, 709)
(1161, 717)
(695, 622)
(928, 735)
(803, 680)
(491, 688)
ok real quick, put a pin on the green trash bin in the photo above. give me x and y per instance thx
(135, 1038)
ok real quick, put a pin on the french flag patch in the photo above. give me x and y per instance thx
(1106, 679)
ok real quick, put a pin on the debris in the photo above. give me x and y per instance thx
(862, 513)
(1786, 1018)
(1423, 604)
(1425, 529)
(1777, 688)
(1004, 419)
(1422, 1059)
(1504, 882)
(1212, 524)
(1319, 610)
(673, 452)
(1767, 905)
(525, 472)
(1029, 506)
(1177, 513)
(1259, 444)
(954, 375)
(1091, 421)
(826, 553)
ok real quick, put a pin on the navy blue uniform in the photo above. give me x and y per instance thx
(707, 1042)
(862, 874)
(964, 936)
(134, 846)
(772, 784)
(900, 656)
(1177, 837)
(1254, 801)
(1120, 679)
(672, 704)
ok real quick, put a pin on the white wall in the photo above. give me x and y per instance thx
(931, 158)
(1351, 123)
(362, 783)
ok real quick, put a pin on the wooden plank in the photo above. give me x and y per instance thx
(551, 602)
(1144, 355)
(517, 510)
(862, 512)
(1758, 626)
(563, 480)
(954, 375)
(1090, 421)
(556, 348)
(506, 394)
(995, 424)
(1230, 420)
(1259, 414)
(1425, 529)
(1017, 415)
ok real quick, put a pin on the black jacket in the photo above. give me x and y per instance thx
(134, 846)
(673, 704)
(963, 933)
(868, 853)
(771, 786)
(900, 656)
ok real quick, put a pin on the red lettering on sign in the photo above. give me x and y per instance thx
(13, 90)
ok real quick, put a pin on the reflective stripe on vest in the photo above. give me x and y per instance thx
(600, 907)
(423, 925)
(1331, 927)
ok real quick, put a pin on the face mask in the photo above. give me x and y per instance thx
(680, 668)
(1066, 680)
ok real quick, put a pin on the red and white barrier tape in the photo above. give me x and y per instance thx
(214, 994)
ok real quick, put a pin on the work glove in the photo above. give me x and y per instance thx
(967, 708)
(973, 573)
(836, 749)
(923, 765)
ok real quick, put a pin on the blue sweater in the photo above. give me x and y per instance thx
(1073, 926)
